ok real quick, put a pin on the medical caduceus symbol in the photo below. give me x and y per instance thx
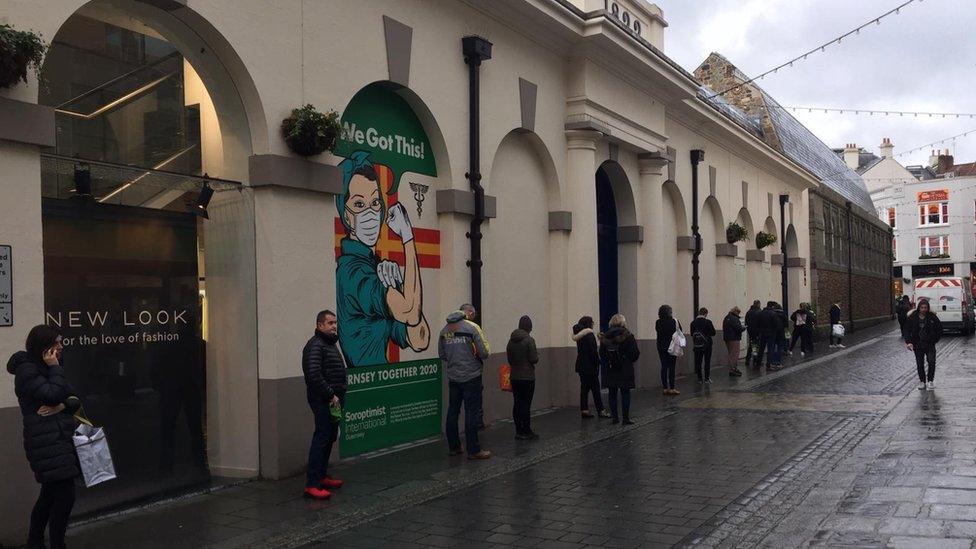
(419, 193)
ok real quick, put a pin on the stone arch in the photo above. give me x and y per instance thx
(623, 253)
(769, 226)
(533, 143)
(792, 243)
(623, 193)
(744, 218)
(711, 281)
(675, 224)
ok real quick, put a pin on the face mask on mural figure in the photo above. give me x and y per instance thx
(367, 227)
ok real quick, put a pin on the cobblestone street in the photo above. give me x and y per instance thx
(836, 451)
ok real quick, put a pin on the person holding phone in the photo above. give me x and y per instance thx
(48, 404)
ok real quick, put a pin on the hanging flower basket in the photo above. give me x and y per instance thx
(735, 233)
(764, 239)
(20, 51)
(934, 256)
(309, 132)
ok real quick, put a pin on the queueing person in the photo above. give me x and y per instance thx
(522, 357)
(732, 329)
(588, 367)
(666, 326)
(324, 368)
(471, 314)
(702, 332)
(834, 320)
(803, 322)
(766, 326)
(618, 349)
(901, 309)
(753, 323)
(47, 403)
(463, 348)
(923, 330)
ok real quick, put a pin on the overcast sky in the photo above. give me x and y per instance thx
(923, 59)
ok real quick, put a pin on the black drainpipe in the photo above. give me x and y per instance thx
(475, 50)
(891, 273)
(783, 272)
(697, 156)
(850, 267)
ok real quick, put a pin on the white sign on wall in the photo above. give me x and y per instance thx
(6, 287)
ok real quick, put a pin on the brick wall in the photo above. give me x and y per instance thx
(872, 296)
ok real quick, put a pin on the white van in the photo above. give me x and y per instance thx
(950, 298)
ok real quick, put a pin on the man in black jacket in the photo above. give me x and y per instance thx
(922, 331)
(702, 332)
(325, 385)
(752, 329)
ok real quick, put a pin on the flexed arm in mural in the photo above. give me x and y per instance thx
(406, 301)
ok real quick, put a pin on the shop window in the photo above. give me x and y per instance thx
(933, 246)
(891, 217)
(933, 213)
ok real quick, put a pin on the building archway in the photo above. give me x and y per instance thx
(712, 283)
(617, 261)
(148, 101)
(675, 225)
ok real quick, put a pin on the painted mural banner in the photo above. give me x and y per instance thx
(391, 404)
(939, 195)
(379, 252)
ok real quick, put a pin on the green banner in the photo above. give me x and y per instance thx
(391, 404)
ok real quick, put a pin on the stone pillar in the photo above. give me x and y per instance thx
(652, 294)
(580, 270)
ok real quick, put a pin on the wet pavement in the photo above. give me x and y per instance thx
(835, 451)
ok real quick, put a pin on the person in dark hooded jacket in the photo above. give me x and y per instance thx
(47, 403)
(618, 349)
(752, 329)
(588, 367)
(923, 330)
(522, 357)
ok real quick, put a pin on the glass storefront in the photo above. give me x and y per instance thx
(123, 251)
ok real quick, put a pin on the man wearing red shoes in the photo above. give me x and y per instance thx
(325, 385)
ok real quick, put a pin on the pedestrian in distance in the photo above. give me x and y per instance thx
(324, 368)
(752, 321)
(782, 341)
(47, 403)
(923, 330)
(803, 322)
(767, 328)
(471, 314)
(463, 348)
(732, 330)
(834, 320)
(588, 367)
(618, 349)
(666, 327)
(702, 334)
(901, 309)
(522, 357)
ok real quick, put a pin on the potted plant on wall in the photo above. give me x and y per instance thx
(764, 239)
(735, 233)
(20, 51)
(309, 132)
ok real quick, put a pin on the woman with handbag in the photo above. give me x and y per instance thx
(47, 403)
(836, 327)
(619, 351)
(588, 367)
(669, 348)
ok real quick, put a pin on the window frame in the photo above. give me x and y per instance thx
(925, 249)
(923, 214)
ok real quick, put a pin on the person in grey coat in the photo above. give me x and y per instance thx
(522, 357)
(463, 348)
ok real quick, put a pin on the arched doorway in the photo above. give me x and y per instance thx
(616, 251)
(607, 256)
(712, 271)
(156, 119)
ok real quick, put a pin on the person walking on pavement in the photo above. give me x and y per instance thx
(666, 326)
(702, 332)
(618, 349)
(522, 357)
(923, 330)
(782, 322)
(471, 314)
(901, 309)
(835, 319)
(802, 320)
(765, 327)
(588, 367)
(463, 348)
(324, 368)
(752, 328)
(47, 403)
(732, 329)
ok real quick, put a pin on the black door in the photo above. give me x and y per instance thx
(606, 227)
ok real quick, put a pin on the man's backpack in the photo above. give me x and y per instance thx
(700, 340)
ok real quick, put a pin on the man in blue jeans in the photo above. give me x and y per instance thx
(463, 348)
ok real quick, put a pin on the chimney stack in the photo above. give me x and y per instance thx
(887, 149)
(852, 156)
(944, 163)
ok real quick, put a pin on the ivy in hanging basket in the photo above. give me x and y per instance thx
(764, 239)
(309, 132)
(735, 233)
(20, 51)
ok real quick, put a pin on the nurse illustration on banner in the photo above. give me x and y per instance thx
(377, 302)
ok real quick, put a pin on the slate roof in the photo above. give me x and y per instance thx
(752, 124)
(922, 173)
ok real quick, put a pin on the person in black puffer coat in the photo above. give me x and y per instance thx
(588, 367)
(522, 357)
(47, 403)
(618, 349)
(325, 385)
(923, 330)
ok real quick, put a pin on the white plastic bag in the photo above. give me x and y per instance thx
(838, 330)
(678, 342)
(93, 454)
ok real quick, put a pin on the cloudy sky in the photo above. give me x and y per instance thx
(923, 59)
